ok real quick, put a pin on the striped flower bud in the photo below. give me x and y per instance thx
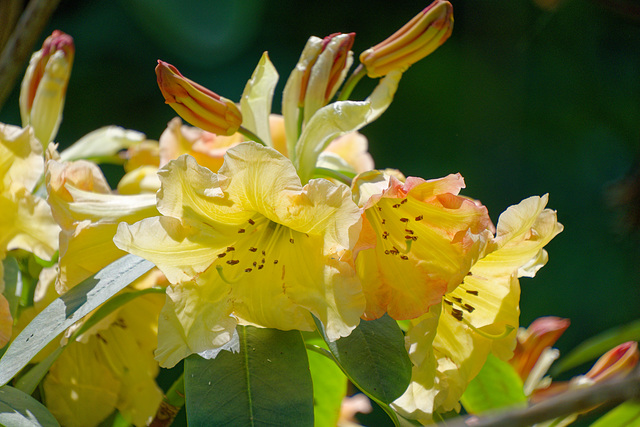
(44, 86)
(196, 104)
(415, 40)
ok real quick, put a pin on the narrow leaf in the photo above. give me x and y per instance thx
(18, 409)
(266, 383)
(12, 281)
(496, 386)
(68, 309)
(626, 414)
(374, 358)
(596, 346)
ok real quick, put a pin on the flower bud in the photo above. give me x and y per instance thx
(326, 71)
(415, 40)
(197, 104)
(320, 71)
(617, 362)
(532, 343)
(44, 86)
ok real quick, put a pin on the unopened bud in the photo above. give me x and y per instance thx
(44, 86)
(617, 362)
(415, 40)
(197, 104)
(532, 342)
(326, 70)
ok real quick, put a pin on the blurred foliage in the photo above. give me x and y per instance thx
(522, 100)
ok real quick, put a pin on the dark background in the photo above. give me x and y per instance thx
(521, 101)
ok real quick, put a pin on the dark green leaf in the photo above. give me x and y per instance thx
(68, 309)
(266, 383)
(626, 414)
(374, 358)
(496, 386)
(18, 409)
(596, 346)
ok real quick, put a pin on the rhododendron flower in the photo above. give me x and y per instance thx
(108, 367)
(249, 244)
(418, 242)
(84, 206)
(449, 345)
(25, 219)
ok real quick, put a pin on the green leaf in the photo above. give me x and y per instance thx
(68, 309)
(496, 386)
(18, 409)
(329, 383)
(29, 381)
(267, 382)
(626, 414)
(374, 358)
(596, 346)
(12, 277)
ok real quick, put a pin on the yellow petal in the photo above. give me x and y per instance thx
(26, 223)
(427, 235)
(6, 321)
(85, 251)
(195, 317)
(21, 163)
(80, 394)
(252, 229)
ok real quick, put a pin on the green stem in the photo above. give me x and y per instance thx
(170, 405)
(330, 173)
(250, 135)
(351, 82)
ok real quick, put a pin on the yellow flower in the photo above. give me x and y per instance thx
(111, 366)
(25, 219)
(84, 206)
(248, 244)
(449, 345)
(419, 240)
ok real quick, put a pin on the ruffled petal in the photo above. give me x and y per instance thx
(426, 234)
(196, 317)
(21, 162)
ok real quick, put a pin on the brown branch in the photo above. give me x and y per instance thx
(20, 44)
(571, 402)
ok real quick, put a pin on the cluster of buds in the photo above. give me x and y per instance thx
(319, 73)
(44, 86)
(197, 104)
